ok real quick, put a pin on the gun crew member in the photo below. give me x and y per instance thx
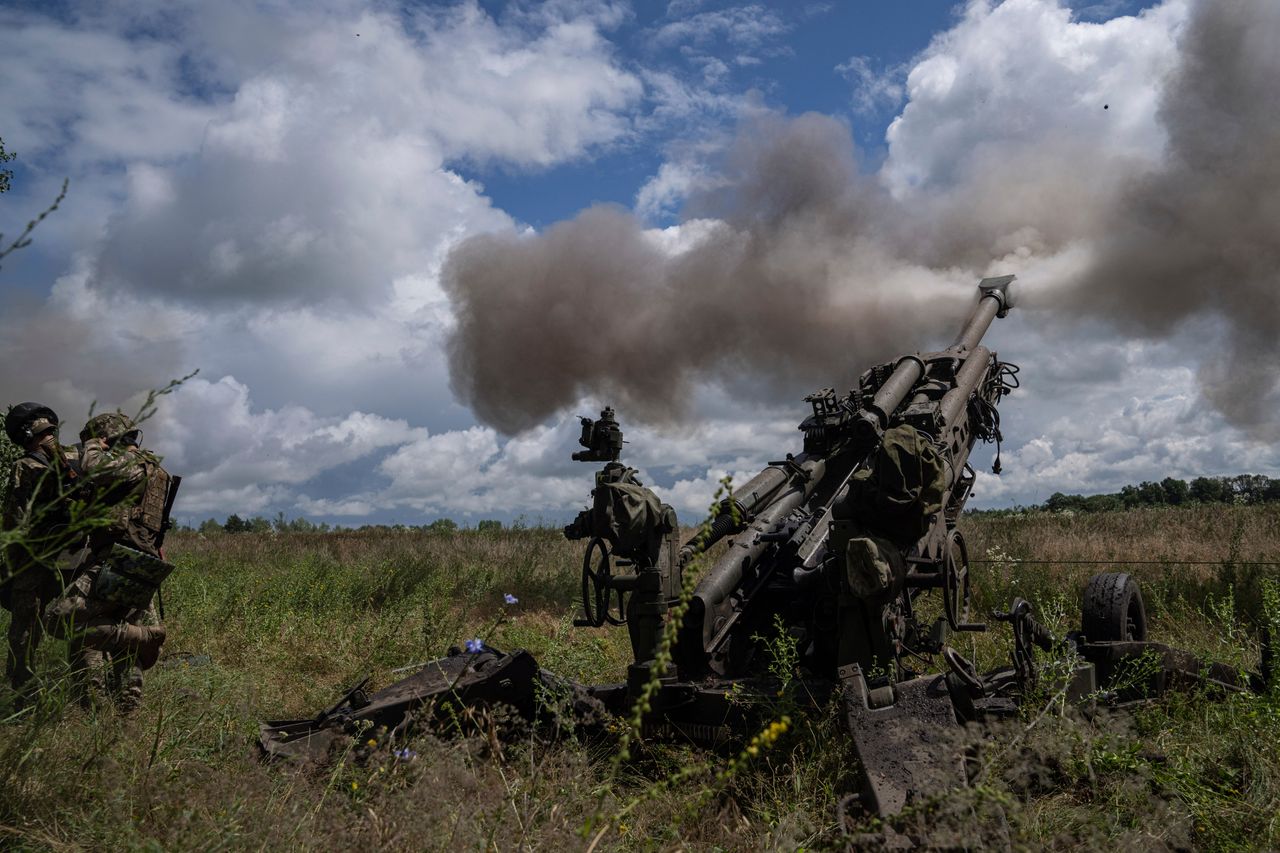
(40, 534)
(109, 611)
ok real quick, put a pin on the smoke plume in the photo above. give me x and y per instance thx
(1200, 236)
(801, 270)
(790, 286)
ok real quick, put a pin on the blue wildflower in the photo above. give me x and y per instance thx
(404, 754)
(475, 646)
(510, 599)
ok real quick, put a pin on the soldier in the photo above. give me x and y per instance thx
(37, 509)
(109, 611)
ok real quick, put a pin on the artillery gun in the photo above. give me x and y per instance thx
(843, 545)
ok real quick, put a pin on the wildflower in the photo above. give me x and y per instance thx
(355, 786)
(775, 730)
(404, 754)
(510, 599)
(371, 742)
(475, 646)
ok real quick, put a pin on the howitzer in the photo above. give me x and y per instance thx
(851, 546)
(883, 476)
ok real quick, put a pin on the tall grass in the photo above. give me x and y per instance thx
(276, 626)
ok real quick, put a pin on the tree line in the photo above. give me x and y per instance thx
(1242, 489)
(1246, 489)
(281, 524)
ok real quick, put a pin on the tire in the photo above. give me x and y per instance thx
(1113, 609)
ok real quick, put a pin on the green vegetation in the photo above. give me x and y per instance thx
(282, 524)
(1241, 489)
(288, 620)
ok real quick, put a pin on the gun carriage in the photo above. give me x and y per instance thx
(851, 546)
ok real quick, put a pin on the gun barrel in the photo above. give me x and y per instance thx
(970, 374)
(768, 507)
(747, 501)
(726, 575)
(994, 302)
(711, 603)
(979, 322)
(894, 390)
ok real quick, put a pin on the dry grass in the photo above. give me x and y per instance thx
(289, 620)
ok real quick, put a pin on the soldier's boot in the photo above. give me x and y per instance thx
(89, 669)
(142, 641)
(127, 684)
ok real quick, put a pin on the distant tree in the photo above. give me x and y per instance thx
(258, 524)
(489, 525)
(1209, 490)
(1102, 503)
(442, 525)
(235, 524)
(1058, 502)
(1247, 488)
(1150, 494)
(210, 525)
(1176, 492)
(1272, 492)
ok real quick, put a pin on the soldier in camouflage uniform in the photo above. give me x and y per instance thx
(37, 507)
(116, 639)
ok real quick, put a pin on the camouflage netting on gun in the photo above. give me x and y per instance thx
(896, 496)
(628, 515)
(872, 565)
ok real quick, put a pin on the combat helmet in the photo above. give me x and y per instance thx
(108, 426)
(27, 420)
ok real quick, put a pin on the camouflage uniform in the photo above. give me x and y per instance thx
(131, 484)
(39, 562)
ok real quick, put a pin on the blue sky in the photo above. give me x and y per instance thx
(800, 72)
(260, 193)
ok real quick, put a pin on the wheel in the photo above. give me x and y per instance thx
(1113, 609)
(595, 581)
(955, 591)
(598, 596)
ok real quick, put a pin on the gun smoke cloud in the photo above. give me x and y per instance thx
(791, 284)
(800, 270)
(1201, 234)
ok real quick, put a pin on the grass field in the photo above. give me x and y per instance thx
(287, 621)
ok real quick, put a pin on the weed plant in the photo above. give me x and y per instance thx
(275, 626)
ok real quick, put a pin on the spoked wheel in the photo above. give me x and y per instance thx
(955, 581)
(599, 598)
(1113, 609)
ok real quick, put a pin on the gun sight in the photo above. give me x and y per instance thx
(602, 438)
